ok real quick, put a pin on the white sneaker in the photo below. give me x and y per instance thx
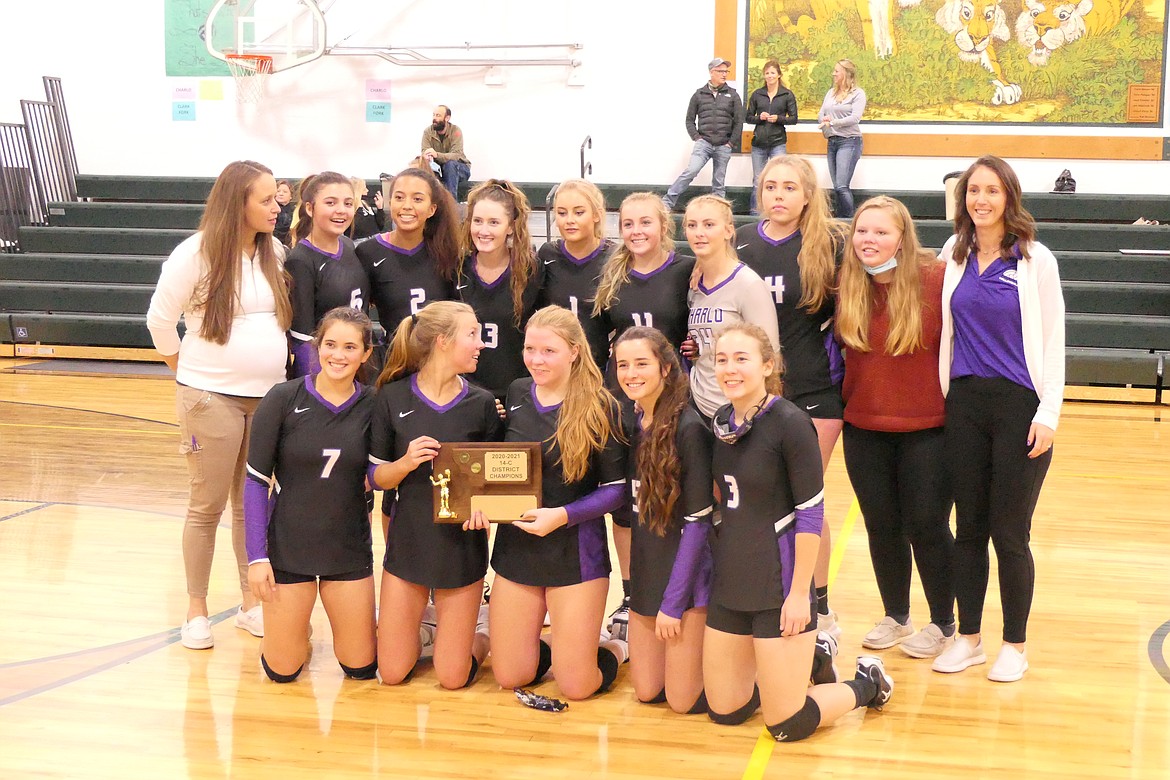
(826, 648)
(481, 621)
(252, 620)
(828, 624)
(607, 638)
(1009, 666)
(870, 667)
(927, 643)
(959, 656)
(196, 633)
(887, 633)
(619, 621)
(426, 632)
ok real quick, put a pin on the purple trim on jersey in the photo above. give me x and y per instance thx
(304, 358)
(731, 418)
(579, 261)
(787, 550)
(311, 386)
(539, 406)
(656, 271)
(440, 409)
(775, 241)
(257, 516)
(836, 358)
(370, 469)
(487, 285)
(320, 251)
(593, 550)
(684, 574)
(398, 249)
(703, 289)
(595, 504)
(811, 519)
(989, 330)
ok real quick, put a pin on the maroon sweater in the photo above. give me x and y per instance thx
(902, 393)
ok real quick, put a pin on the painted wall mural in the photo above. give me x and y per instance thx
(1094, 62)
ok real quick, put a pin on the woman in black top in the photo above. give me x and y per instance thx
(769, 108)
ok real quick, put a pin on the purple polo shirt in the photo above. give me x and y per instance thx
(989, 330)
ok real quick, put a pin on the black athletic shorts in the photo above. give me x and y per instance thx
(760, 625)
(822, 404)
(289, 578)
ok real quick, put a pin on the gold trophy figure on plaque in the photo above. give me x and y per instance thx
(441, 483)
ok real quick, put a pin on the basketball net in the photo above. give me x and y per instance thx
(250, 71)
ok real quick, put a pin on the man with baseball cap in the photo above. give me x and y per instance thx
(715, 124)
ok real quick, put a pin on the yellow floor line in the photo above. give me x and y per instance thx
(762, 752)
(169, 432)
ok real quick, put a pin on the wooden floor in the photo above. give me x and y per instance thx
(93, 682)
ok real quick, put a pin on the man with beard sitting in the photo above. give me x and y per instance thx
(442, 147)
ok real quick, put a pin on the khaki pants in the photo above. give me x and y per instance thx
(213, 430)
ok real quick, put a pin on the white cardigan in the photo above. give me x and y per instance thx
(1042, 314)
(254, 357)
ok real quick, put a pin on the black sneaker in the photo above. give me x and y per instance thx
(824, 670)
(619, 622)
(870, 667)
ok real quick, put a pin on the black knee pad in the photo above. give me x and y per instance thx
(700, 705)
(608, 663)
(279, 678)
(367, 672)
(471, 674)
(740, 715)
(543, 665)
(800, 725)
(659, 698)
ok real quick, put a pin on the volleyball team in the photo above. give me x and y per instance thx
(690, 404)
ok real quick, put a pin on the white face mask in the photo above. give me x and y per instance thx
(889, 265)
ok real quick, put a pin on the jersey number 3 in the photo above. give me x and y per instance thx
(732, 491)
(330, 457)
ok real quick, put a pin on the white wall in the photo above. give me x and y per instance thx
(642, 59)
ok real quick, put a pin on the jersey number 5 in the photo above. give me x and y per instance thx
(330, 457)
(732, 491)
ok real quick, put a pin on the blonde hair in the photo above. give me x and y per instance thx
(723, 206)
(616, 271)
(774, 382)
(415, 338)
(593, 197)
(360, 188)
(904, 301)
(586, 421)
(521, 259)
(821, 236)
(850, 79)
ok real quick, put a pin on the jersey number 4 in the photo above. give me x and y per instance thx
(330, 457)
(732, 491)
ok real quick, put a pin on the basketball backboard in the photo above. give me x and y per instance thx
(291, 32)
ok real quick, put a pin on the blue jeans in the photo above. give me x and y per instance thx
(760, 157)
(843, 156)
(454, 173)
(702, 152)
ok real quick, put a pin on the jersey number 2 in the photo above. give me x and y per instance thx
(330, 457)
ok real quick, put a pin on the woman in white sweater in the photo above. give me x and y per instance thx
(228, 284)
(1001, 366)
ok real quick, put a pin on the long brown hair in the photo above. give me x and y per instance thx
(415, 338)
(658, 453)
(307, 192)
(587, 414)
(224, 230)
(441, 230)
(904, 303)
(821, 236)
(358, 319)
(521, 259)
(774, 382)
(1018, 225)
(616, 272)
(779, 73)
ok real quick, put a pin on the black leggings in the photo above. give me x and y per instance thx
(902, 486)
(996, 486)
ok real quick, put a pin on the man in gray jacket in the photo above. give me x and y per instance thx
(715, 124)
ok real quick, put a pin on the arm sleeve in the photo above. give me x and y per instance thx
(754, 107)
(381, 434)
(303, 294)
(304, 358)
(692, 115)
(177, 280)
(695, 445)
(824, 112)
(1052, 324)
(736, 139)
(856, 109)
(801, 463)
(428, 140)
(790, 111)
(263, 442)
(756, 306)
(455, 148)
(610, 493)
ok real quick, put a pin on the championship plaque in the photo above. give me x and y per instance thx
(500, 479)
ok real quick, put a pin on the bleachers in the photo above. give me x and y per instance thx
(86, 278)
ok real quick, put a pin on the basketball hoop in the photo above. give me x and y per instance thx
(250, 72)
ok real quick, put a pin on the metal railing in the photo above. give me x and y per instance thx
(586, 168)
(49, 163)
(19, 204)
(548, 211)
(55, 95)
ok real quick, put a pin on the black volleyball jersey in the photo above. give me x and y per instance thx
(402, 280)
(419, 550)
(570, 554)
(321, 281)
(803, 335)
(572, 282)
(317, 454)
(502, 360)
(654, 300)
(773, 468)
(654, 581)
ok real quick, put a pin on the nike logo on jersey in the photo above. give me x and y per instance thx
(460, 286)
(299, 411)
(550, 262)
(743, 246)
(403, 414)
(514, 408)
(379, 262)
(810, 408)
(322, 268)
